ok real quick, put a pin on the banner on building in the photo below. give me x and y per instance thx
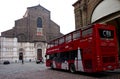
(39, 31)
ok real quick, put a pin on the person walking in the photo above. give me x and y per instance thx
(22, 61)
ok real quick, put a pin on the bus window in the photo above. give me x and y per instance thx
(48, 46)
(51, 45)
(109, 34)
(87, 32)
(51, 56)
(64, 56)
(47, 56)
(68, 38)
(61, 40)
(56, 42)
(76, 35)
(72, 55)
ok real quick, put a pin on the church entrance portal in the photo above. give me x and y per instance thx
(20, 56)
(39, 54)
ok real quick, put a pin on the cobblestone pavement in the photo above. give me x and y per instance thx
(39, 71)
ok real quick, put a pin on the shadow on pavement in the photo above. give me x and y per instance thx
(107, 74)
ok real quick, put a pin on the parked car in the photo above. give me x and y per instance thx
(6, 62)
(39, 60)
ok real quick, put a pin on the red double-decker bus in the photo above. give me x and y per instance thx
(90, 49)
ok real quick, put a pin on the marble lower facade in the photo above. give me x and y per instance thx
(13, 51)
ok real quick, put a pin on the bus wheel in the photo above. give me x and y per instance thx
(72, 68)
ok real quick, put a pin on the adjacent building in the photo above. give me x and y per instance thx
(97, 11)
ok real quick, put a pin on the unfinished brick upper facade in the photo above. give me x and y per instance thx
(26, 28)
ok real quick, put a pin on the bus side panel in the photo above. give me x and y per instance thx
(78, 61)
(87, 55)
(48, 63)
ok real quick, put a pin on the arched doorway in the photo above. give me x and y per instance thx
(39, 54)
(21, 56)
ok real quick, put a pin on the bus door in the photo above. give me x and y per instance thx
(64, 60)
(59, 61)
(78, 61)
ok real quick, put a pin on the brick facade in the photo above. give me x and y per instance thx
(26, 28)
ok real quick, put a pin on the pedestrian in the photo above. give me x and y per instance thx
(22, 61)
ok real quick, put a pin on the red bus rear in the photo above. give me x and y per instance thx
(90, 49)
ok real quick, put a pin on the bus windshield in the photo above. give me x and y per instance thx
(107, 34)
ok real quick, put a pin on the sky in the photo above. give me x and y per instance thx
(62, 12)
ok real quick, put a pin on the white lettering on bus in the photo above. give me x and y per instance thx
(106, 33)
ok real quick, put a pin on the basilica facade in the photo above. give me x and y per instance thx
(32, 32)
(35, 26)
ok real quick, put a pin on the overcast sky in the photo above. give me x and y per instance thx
(62, 12)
